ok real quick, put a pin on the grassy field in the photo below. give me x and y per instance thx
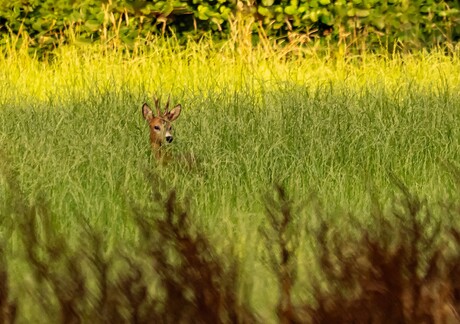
(335, 125)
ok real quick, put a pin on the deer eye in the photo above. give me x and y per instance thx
(156, 127)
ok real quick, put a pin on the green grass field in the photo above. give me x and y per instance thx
(71, 129)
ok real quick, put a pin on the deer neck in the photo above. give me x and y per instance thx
(162, 157)
(156, 148)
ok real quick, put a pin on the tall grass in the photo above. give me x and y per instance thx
(72, 126)
(405, 269)
(335, 125)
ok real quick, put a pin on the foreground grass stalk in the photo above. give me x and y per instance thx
(282, 246)
(403, 270)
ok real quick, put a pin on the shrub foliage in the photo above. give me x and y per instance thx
(416, 23)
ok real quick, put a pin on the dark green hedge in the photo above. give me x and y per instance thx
(414, 22)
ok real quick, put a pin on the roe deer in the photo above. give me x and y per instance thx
(160, 124)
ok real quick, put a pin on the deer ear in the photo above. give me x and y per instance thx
(174, 113)
(147, 112)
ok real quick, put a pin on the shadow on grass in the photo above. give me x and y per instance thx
(406, 269)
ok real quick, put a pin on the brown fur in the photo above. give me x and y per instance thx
(160, 125)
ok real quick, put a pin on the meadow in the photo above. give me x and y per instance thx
(337, 126)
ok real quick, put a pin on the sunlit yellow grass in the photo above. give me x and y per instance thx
(165, 66)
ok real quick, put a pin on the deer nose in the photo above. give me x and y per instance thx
(169, 139)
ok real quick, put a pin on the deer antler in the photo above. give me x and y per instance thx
(167, 104)
(157, 105)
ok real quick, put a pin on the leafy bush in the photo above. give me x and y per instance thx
(415, 23)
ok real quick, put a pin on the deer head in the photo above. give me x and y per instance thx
(160, 123)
